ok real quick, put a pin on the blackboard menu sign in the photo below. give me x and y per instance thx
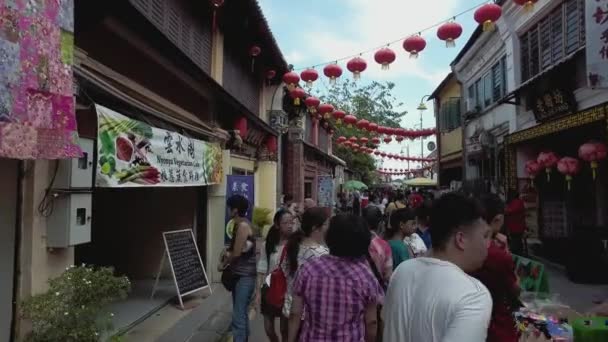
(185, 260)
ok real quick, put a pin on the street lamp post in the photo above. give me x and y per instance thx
(422, 107)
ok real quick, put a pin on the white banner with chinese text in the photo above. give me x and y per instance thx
(596, 31)
(131, 153)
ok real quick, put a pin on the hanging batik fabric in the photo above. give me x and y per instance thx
(37, 105)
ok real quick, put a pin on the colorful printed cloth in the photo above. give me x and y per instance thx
(336, 292)
(380, 252)
(37, 107)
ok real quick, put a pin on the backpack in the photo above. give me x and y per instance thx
(275, 296)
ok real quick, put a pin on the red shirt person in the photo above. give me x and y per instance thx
(498, 275)
(515, 221)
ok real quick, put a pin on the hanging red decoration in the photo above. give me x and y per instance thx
(385, 57)
(353, 140)
(372, 127)
(355, 147)
(291, 79)
(309, 76)
(297, 94)
(350, 120)
(414, 45)
(356, 65)
(254, 51)
(533, 168)
(216, 5)
(383, 154)
(270, 74)
(312, 103)
(387, 140)
(399, 139)
(449, 32)
(528, 4)
(547, 160)
(592, 152)
(331, 132)
(271, 144)
(487, 15)
(376, 141)
(377, 153)
(347, 143)
(333, 72)
(569, 167)
(325, 110)
(339, 115)
(241, 125)
(363, 140)
(341, 140)
(363, 124)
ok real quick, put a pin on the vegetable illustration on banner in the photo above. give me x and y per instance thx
(238, 185)
(132, 153)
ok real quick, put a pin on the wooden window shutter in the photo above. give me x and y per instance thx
(545, 43)
(573, 26)
(557, 35)
(525, 57)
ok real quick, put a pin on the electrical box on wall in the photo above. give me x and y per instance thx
(77, 172)
(70, 222)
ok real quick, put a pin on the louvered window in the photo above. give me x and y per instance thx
(323, 139)
(553, 38)
(188, 31)
(238, 79)
(489, 88)
(449, 114)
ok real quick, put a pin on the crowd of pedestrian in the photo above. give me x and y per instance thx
(402, 267)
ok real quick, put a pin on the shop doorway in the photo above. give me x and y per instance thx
(8, 225)
(126, 234)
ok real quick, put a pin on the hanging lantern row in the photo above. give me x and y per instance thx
(591, 152)
(356, 65)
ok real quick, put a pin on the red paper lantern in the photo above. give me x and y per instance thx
(350, 120)
(270, 74)
(363, 124)
(376, 141)
(353, 140)
(333, 72)
(399, 139)
(254, 51)
(355, 147)
(592, 152)
(377, 153)
(387, 139)
(291, 79)
(312, 103)
(241, 125)
(271, 144)
(373, 127)
(487, 15)
(363, 140)
(339, 115)
(449, 32)
(528, 4)
(383, 154)
(533, 168)
(356, 65)
(341, 140)
(569, 167)
(547, 160)
(297, 94)
(385, 57)
(414, 45)
(309, 76)
(325, 110)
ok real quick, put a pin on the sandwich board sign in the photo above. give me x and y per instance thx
(186, 264)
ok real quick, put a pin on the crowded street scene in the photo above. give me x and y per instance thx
(312, 171)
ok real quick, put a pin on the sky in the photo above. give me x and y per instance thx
(313, 32)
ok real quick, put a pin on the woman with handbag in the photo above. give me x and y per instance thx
(272, 250)
(239, 274)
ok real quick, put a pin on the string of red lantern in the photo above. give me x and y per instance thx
(486, 14)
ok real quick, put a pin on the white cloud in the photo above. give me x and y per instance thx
(373, 23)
(294, 57)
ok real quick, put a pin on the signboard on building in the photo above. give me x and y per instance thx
(131, 153)
(596, 39)
(325, 193)
(238, 185)
(552, 103)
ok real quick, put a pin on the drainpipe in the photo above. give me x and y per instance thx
(17, 249)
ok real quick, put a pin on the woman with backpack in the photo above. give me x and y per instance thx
(271, 252)
(303, 245)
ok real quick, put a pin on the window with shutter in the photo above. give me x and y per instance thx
(479, 94)
(471, 98)
(487, 89)
(497, 80)
(553, 38)
(190, 33)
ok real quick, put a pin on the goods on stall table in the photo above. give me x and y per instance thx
(536, 327)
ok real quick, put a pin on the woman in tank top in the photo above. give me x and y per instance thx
(242, 260)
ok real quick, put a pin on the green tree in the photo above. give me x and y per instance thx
(374, 102)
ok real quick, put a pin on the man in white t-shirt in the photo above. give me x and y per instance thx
(433, 299)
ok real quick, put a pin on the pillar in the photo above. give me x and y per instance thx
(216, 207)
(295, 164)
(267, 184)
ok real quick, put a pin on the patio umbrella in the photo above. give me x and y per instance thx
(354, 185)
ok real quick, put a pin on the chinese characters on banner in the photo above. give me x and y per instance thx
(553, 103)
(238, 185)
(325, 192)
(596, 18)
(134, 154)
(37, 106)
